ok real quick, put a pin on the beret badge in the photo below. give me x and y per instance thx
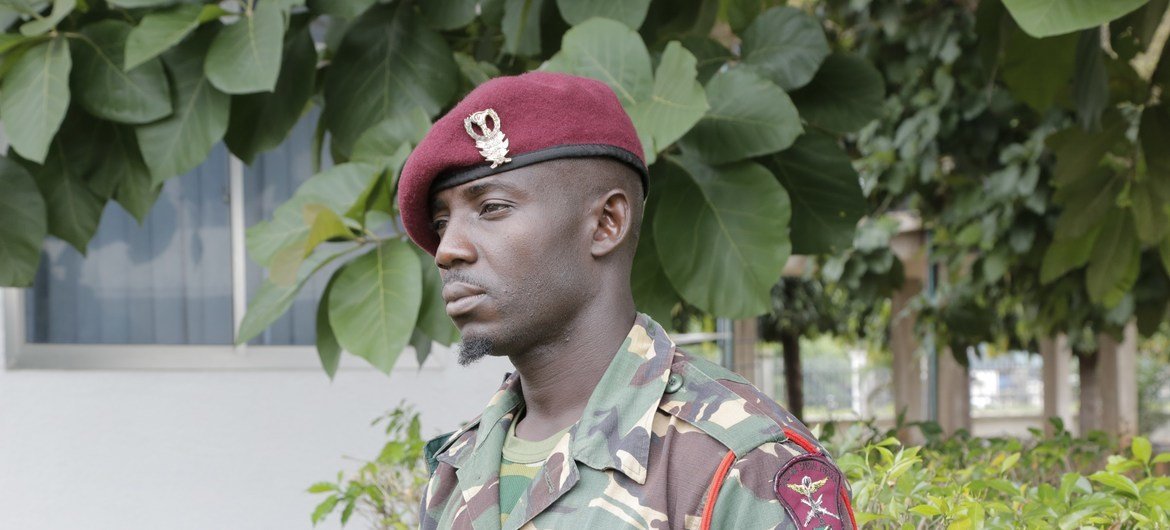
(490, 140)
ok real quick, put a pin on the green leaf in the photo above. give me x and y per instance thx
(23, 225)
(324, 508)
(1064, 255)
(926, 510)
(73, 209)
(787, 45)
(1154, 134)
(321, 487)
(1164, 253)
(845, 94)
(136, 190)
(1037, 71)
(421, 344)
(750, 116)
(710, 54)
(272, 300)
(825, 191)
(477, 72)
(245, 56)
(432, 314)
(628, 12)
(327, 347)
(348, 9)
(160, 30)
(388, 64)
(1090, 83)
(336, 188)
(378, 195)
(609, 52)
(180, 142)
(1161, 459)
(741, 13)
(1043, 18)
(676, 103)
(521, 26)
(140, 3)
(1115, 261)
(38, 26)
(448, 14)
(1121, 483)
(262, 121)
(653, 293)
(103, 89)
(324, 225)
(378, 145)
(374, 304)
(725, 232)
(34, 97)
(1142, 449)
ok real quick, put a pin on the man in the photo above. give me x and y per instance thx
(529, 194)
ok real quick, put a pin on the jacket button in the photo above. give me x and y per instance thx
(674, 383)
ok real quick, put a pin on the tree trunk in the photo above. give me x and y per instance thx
(1090, 394)
(793, 374)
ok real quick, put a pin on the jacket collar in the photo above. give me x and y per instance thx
(615, 428)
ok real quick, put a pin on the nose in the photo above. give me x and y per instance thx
(455, 247)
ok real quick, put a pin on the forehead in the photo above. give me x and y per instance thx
(527, 181)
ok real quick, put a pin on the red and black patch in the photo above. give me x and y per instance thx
(813, 492)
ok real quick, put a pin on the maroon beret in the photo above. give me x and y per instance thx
(512, 122)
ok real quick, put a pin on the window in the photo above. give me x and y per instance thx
(170, 293)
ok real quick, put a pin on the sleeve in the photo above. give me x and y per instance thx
(781, 486)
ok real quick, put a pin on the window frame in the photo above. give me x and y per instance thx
(21, 355)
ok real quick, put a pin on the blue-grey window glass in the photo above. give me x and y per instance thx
(269, 182)
(166, 281)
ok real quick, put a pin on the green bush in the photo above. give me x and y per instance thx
(955, 482)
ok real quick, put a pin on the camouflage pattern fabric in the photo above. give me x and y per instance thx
(666, 441)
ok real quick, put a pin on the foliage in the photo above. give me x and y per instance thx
(105, 100)
(1031, 161)
(967, 482)
(386, 491)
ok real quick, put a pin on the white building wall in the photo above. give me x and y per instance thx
(215, 450)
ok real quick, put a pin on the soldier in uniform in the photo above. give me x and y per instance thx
(529, 194)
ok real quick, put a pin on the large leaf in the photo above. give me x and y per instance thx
(750, 116)
(448, 14)
(787, 44)
(1115, 261)
(387, 64)
(262, 121)
(327, 347)
(721, 234)
(432, 314)
(160, 30)
(825, 190)
(380, 143)
(1151, 195)
(663, 106)
(23, 225)
(245, 56)
(39, 25)
(340, 8)
(1065, 255)
(1078, 152)
(335, 188)
(1090, 83)
(140, 3)
(34, 97)
(180, 142)
(140, 95)
(676, 103)
(73, 208)
(374, 303)
(653, 293)
(120, 172)
(741, 13)
(1038, 70)
(628, 12)
(272, 299)
(846, 94)
(521, 26)
(710, 54)
(1043, 18)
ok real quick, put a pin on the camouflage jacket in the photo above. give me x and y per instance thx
(667, 440)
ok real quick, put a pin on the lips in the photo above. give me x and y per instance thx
(461, 297)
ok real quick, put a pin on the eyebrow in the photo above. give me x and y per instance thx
(478, 189)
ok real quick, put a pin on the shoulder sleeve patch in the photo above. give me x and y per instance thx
(812, 492)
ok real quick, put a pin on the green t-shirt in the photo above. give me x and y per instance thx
(521, 460)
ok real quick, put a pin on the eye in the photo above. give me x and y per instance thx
(438, 225)
(493, 207)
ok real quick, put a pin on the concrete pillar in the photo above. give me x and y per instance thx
(745, 334)
(909, 384)
(1117, 383)
(953, 393)
(1057, 376)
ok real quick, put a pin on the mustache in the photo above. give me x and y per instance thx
(456, 276)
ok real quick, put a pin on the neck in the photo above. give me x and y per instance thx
(557, 377)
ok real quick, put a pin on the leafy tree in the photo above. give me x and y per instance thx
(106, 100)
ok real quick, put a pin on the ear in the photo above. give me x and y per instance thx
(613, 215)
